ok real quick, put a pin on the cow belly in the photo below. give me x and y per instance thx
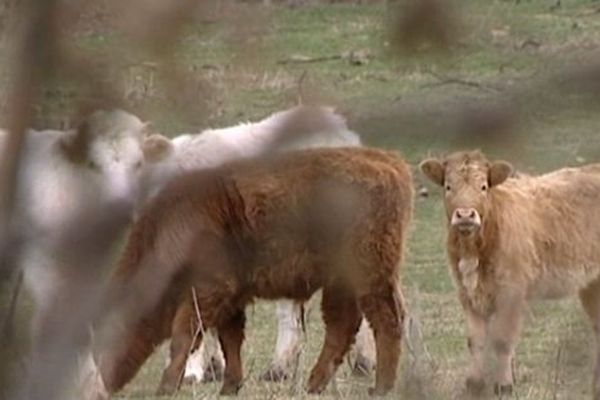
(300, 287)
(294, 279)
(557, 282)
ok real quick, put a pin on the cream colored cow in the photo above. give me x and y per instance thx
(514, 239)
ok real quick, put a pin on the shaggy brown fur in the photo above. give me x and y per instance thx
(515, 239)
(284, 227)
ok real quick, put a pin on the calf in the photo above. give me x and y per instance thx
(275, 228)
(65, 174)
(297, 128)
(513, 239)
(71, 183)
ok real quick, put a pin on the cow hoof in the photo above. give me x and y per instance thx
(362, 367)
(475, 386)
(315, 389)
(229, 390)
(317, 383)
(274, 374)
(503, 390)
(379, 391)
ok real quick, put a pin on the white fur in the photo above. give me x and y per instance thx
(290, 332)
(90, 380)
(199, 363)
(53, 191)
(213, 147)
(469, 275)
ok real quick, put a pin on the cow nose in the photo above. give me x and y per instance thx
(466, 219)
(465, 213)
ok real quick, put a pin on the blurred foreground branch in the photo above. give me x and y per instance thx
(33, 61)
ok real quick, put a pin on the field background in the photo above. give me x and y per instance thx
(497, 72)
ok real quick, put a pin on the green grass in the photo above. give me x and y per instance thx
(395, 102)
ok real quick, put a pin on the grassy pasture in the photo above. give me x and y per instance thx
(408, 103)
(502, 47)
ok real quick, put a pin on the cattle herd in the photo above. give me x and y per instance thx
(277, 210)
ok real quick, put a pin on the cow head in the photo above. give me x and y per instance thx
(157, 148)
(108, 148)
(466, 178)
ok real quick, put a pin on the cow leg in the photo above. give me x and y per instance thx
(231, 335)
(365, 350)
(216, 360)
(590, 299)
(503, 330)
(385, 311)
(290, 316)
(342, 319)
(205, 364)
(476, 337)
(184, 338)
(196, 364)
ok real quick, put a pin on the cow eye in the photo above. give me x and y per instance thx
(484, 187)
(448, 188)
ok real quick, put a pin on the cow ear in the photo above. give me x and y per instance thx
(156, 147)
(148, 129)
(434, 170)
(499, 172)
(75, 144)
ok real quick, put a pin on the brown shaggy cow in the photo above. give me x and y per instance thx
(512, 239)
(284, 227)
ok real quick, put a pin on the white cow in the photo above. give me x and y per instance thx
(65, 174)
(93, 171)
(297, 128)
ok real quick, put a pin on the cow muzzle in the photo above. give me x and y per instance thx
(466, 220)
